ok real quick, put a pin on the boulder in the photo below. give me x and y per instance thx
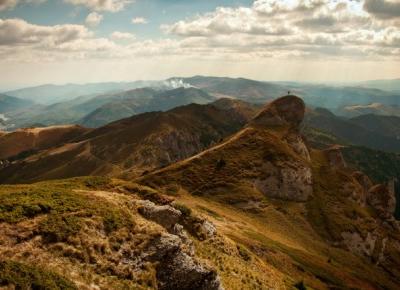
(178, 269)
(164, 215)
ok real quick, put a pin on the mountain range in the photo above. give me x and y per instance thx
(226, 195)
(95, 105)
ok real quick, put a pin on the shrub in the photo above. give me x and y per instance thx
(186, 211)
(22, 276)
(244, 253)
(56, 228)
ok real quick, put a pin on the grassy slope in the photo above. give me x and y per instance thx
(296, 238)
(76, 232)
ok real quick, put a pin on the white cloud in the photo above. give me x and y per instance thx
(93, 19)
(102, 5)
(117, 35)
(139, 20)
(20, 32)
(10, 4)
(301, 28)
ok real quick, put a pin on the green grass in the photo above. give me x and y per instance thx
(22, 276)
(65, 208)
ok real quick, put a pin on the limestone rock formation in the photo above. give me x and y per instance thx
(383, 200)
(165, 215)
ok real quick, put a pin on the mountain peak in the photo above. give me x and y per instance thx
(285, 111)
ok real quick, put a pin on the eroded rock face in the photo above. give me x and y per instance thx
(383, 200)
(179, 270)
(296, 142)
(285, 111)
(292, 183)
(174, 251)
(372, 246)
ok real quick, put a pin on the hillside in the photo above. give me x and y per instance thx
(8, 104)
(51, 94)
(240, 88)
(383, 125)
(300, 210)
(134, 103)
(134, 145)
(259, 210)
(27, 141)
(316, 95)
(353, 132)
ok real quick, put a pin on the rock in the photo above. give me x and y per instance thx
(296, 142)
(363, 180)
(164, 215)
(285, 111)
(178, 269)
(292, 182)
(206, 230)
(382, 199)
(335, 157)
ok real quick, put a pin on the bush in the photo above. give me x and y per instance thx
(186, 211)
(244, 253)
(56, 228)
(22, 276)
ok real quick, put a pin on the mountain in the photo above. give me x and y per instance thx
(132, 146)
(316, 95)
(375, 108)
(239, 88)
(8, 103)
(387, 85)
(152, 101)
(27, 141)
(353, 132)
(257, 210)
(301, 210)
(383, 125)
(51, 94)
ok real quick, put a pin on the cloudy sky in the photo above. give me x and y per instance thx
(59, 41)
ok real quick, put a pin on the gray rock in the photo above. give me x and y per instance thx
(165, 215)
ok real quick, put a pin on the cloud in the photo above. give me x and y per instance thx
(301, 28)
(139, 20)
(117, 35)
(10, 4)
(383, 9)
(20, 32)
(93, 19)
(102, 5)
(267, 29)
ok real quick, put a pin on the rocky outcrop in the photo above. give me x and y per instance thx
(286, 111)
(179, 270)
(292, 183)
(291, 180)
(174, 252)
(335, 157)
(383, 200)
(165, 215)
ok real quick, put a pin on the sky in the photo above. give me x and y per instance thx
(80, 41)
